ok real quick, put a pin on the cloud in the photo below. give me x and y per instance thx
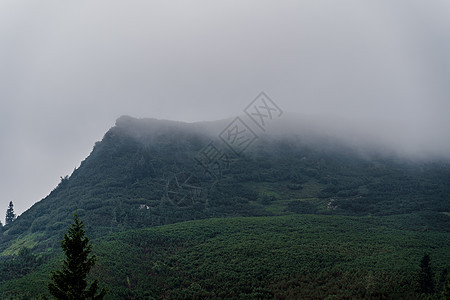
(69, 69)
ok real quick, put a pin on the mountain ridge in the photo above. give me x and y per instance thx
(124, 182)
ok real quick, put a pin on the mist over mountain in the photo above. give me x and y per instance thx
(366, 137)
(381, 67)
(148, 173)
(308, 156)
(321, 131)
(128, 179)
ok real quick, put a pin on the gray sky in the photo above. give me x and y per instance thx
(68, 69)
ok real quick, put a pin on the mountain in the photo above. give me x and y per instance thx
(135, 177)
(148, 173)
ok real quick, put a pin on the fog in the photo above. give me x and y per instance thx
(69, 69)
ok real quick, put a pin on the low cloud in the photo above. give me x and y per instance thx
(68, 70)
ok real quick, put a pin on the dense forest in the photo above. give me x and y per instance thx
(318, 218)
(306, 256)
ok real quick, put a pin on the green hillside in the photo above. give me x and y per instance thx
(124, 183)
(300, 256)
(365, 215)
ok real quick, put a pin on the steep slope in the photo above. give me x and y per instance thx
(135, 177)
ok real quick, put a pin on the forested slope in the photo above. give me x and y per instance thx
(127, 182)
(289, 257)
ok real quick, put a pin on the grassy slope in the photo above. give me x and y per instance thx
(301, 255)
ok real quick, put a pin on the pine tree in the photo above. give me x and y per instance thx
(70, 283)
(10, 215)
(426, 282)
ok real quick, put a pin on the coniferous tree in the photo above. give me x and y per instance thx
(446, 291)
(426, 282)
(70, 283)
(10, 215)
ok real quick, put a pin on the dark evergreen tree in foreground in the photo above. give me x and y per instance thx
(10, 215)
(70, 283)
(426, 283)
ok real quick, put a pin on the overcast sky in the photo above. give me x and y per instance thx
(68, 69)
